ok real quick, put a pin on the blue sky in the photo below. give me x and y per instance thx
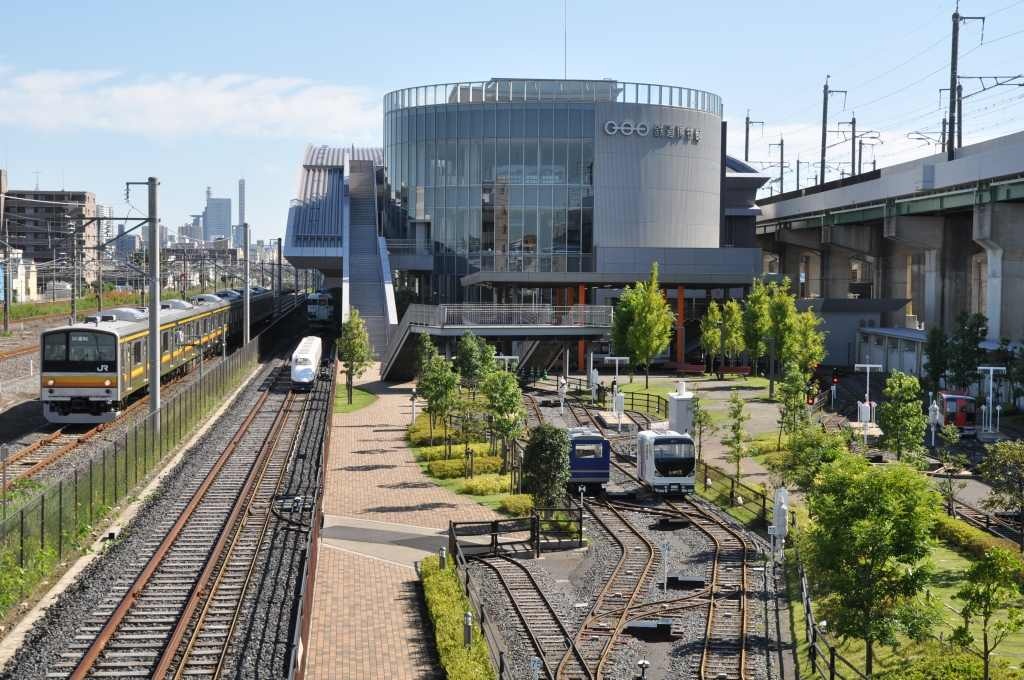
(94, 94)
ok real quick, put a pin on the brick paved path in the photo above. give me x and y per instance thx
(367, 620)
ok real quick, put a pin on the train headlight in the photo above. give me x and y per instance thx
(49, 382)
(106, 383)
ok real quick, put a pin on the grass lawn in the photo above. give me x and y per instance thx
(664, 385)
(360, 399)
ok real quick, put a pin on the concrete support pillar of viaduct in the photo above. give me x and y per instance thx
(916, 234)
(839, 244)
(999, 229)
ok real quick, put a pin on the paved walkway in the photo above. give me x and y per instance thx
(381, 514)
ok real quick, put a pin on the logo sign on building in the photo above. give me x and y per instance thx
(675, 133)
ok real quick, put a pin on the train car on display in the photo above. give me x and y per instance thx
(666, 461)
(306, 363)
(320, 308)
(589, 458)
(959, 410)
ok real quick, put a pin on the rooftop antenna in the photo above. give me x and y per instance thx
(36, 173)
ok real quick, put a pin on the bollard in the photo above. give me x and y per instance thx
(442, 558)
(467, 629)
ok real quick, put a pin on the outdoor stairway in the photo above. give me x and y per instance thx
(365, 278)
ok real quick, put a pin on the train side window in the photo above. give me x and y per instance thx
(55, 347)
(588, 450)
(137, 352)
(165, 342)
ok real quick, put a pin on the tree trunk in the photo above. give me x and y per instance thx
(348, 385)
(647, 376)
(431, 421)
(771, 371)
(986, 652)
(869, 656)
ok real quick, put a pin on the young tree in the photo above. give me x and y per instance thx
(736, 440)
(622, 321)
(807, 451)
(425, 351)
(467, 360)
(757, 322)
(651, 331)
(487, 354)
(901, 417)
(964, 353)
(935, 351)
(354, 349)
(711, 335)
(952, 462)
(732, 330)
(805, 343)
(991, 590)
(505, 405)
(782, 314)
(866, 550)
(546, 465)
(1003, 469)
(792, 402)
(703, 424)
(440, 387)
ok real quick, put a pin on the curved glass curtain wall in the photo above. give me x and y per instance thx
(500, 173)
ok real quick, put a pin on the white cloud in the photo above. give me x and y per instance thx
(180, 105)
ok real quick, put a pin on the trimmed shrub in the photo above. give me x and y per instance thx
(456, 467)
(446, 605)
(973, 542)
(485, 485)
(419, 432)
(516, 505)
(437, 452)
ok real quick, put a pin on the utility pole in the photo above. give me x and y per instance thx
(280, 287)
(825, 92)
(959, 115)
(746, 134)
(154, 304)
(798, 172)
(7, 253)
(942, 139)
(853, 144)
(782, 162)
(954, 113)
(74, 274)
(245, 286)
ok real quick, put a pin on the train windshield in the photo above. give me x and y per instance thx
(589, 450)
(80, 351)
(674, 458)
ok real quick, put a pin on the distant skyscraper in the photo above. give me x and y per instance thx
(216, 218)
(241, 201)
(106, 228)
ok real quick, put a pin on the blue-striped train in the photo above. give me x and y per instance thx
(90, 371)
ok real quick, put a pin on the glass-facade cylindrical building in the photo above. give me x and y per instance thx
(537, 176)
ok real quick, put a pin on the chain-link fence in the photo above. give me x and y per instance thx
(43, 530)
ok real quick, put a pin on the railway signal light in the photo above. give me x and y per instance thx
(835, 376)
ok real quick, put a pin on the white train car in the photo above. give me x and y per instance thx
(320, 308)
(306, 363)
(666, 460)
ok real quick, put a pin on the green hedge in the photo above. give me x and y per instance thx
(456, 467)
(439, 451)
(517, 505)
(446, 605)
(973, 541)
(486, 485)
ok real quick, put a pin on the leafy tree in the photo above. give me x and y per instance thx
(964, 353)
(736, 440)
(944, 662)
(804, 344)
(1003, 469)
(792, 401)
(703, 423)
(425, 351)
(622, 321)
(732, 329)
(468, 414)
(1015, 371)
(782, 314)
(354, 349)
(439, 385)
(866, 550)
(651, 331)
(467, 360)
(711, 333)
(935, 350)
(546, 465)
(757, 322)
(807, 450)
(487, 354)
(901, 417)
(505, 405)
(991, 590)
(952, 462)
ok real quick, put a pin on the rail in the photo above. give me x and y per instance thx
(391, 313)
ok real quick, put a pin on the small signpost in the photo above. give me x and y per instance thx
(562, 389)
(619, 404)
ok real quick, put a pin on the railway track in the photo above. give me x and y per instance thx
(177, 615)
(538, 619)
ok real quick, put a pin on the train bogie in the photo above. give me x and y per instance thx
(589, 458)
(306, 363)
(666, 461)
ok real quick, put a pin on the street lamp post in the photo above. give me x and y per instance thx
(991, 370)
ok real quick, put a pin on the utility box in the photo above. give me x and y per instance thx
(680, 409)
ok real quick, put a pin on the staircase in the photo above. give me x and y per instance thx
(366, 280)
